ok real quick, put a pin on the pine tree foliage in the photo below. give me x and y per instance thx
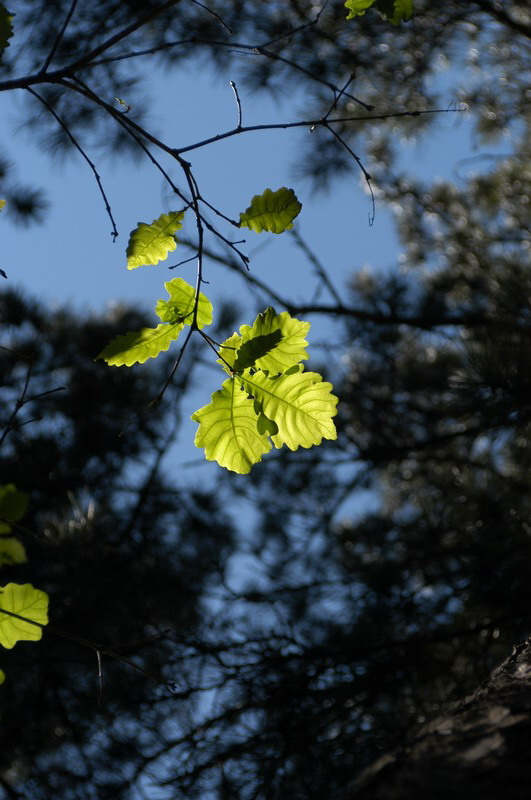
(122, 551)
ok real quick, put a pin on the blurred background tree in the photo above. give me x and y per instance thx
(392, 566)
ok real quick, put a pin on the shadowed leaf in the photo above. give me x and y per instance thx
(11, 551)
(6, 28)
(291, 346)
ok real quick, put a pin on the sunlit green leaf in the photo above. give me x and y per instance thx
(301, 404)
(136, 347)
(271, 211)
(11, 551)
(290, 348)
(27, 602)
(228, 429)
(180, 306)
(358, 7)
(6, 28)
(394, 11)
(149, 244)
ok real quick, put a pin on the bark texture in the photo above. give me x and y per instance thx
(479, 750)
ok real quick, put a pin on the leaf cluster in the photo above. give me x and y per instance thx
(268, 399)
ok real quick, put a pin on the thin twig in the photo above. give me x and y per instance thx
(247, 276)
(238, 102)
(169, 379)
(338, 96)
(311, 123)
(319, 268)
(18, 404)
(302, 27)
(90, 60)
(212, 345)
(64, 126)
(100, 676)
(213, 13)
(184, 261)
(117, 37)
(359, 162)
(219, 213)
(102, 649)
(59, 36)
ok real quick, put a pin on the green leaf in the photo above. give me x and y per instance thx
(284, 353)
(27, 602)
(271, 211)
(180, 306)
(6, 29)
(358, 7)
(2, 204)
(228, 429)
(301, 404)
(227, 352)
(395, 11)
(2, 676)
(11, 551)
(149, 244)
(13, 506)
(136, 347)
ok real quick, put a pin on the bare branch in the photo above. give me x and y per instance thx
(238, 102)
(60, 36)
(114, 232)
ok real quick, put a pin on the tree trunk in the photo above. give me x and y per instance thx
(481, 748)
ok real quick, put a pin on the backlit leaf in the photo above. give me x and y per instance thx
(27, 602)
(6, 29)
(394, 11)
(11, 551)
(290, 348)
(228, 429)
(271, 211)
(180, 306)
(358, 7)
(301, 404)
(149, 244)
(136, 347)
